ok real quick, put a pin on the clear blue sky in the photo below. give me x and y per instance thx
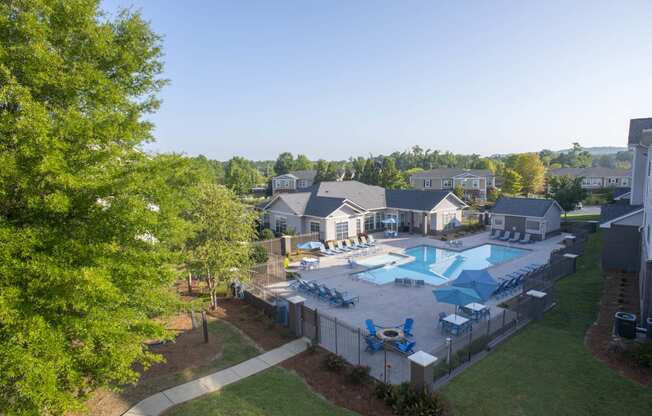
(333, 79)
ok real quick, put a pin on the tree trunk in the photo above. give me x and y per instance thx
(211, 288)
(189, 281)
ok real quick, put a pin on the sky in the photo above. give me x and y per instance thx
(334, 79)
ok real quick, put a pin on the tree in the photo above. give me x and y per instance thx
(325, 171)
(532, 172)
(221, 248)
(567, 191)
(302, 163)
(512, 182)
(240, 175)
(390, 177)
(90, 226)
(485, 163)
(284, 163)
(459, 191)
(371, 172)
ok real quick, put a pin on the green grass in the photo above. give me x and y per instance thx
(581, 217)
(274, 392)
(236, 349)
(546, 369)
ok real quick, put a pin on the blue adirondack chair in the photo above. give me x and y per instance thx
(371, 328)
(407, 327)
(405, 347)
(373, 344)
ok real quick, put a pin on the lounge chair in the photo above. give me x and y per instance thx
(419, 283)
(349, 245)
(505, 236)
(313, 288)
(407, 327)
(325, 252)
(334, 249)
(405, 347)
(342, 299)
(358, 243)
(371, 241)
(300, 285)
(399, 281)
(342, 247)
(371, 328)
(525, 239)
(517, 236)
(494, 234)
(324, 293)
(373, 345)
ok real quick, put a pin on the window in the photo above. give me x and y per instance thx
(369, 222)
(498, 221)
(358, 226)
(447, 183)
(379, 218)
(612, 180)
(532, 225)
(281, 225)
(314, 227)
(476, 183)
(427, 183)
(341, 230)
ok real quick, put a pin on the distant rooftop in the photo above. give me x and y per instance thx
(450, 172)
(597, 172)
(528, 207)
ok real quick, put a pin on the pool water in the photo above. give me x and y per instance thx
(380, 260)
(437, 265)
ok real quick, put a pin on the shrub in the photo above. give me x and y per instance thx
(640, 355)
(334, 363)
(258, 254)
(267, 234)
(410, 402)
(359, 374)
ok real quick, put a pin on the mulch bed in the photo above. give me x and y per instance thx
(252, 322)
(335, 387)
(620, 294)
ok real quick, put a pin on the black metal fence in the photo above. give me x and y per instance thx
(276, 247)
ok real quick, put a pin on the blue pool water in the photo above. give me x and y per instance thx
(437, 265)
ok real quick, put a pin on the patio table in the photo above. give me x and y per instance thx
(476, 309)
(455, 323)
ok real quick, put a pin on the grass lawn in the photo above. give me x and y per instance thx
(581, 217)
(546, 369)
(274, 392)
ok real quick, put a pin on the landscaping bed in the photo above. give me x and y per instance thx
(335, 386)
(620, 294)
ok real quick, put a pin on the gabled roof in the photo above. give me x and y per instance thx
(301, 174)
(597, 172)
(451, 172)
(523, 207)
(636, 128)
(417, 200)
(616, 211)
(621, 192)
(322, 199)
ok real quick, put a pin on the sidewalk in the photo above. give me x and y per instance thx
(159, 402)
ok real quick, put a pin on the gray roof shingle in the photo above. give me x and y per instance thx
(526, 207)
(450, 172)
(415, 200)
(617, 209)
(597, 172)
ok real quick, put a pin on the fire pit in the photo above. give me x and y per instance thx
(390, 334)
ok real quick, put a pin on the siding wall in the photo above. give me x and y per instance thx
(553, 218)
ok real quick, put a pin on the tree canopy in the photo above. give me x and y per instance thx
(567, 191)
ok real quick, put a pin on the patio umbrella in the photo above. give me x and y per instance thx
(458, 296)
(478, 280)
(389, 221)
(310, 245)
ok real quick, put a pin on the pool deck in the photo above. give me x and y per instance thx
(389, 305)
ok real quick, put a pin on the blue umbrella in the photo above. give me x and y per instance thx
(478, 280)
(389, 221)
(458, 296)
(310, 245)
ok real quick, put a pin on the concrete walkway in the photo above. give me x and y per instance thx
(160, 402)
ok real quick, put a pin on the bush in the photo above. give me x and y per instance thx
(359, 374)
(258, 254)
(640, 355)
(267, 234)
(334, 363)
(404, 400)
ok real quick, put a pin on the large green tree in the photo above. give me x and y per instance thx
(284, 163)
(240, 175)
(89, 224)
(567, 191)
(512, 182)
(532, 172)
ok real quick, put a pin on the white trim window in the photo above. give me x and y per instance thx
(427, 183)
(369, 223)
(498, 222)
(358, 226)
(315, 227)
(341, 230)
(281, 225)
(447, 183)
(476, 183)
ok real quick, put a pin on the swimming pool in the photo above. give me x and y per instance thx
(437, 265)
(381, 260)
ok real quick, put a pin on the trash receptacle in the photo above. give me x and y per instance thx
(282, 313)
(625, 325)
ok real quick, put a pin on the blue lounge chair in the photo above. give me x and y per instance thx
(323, 250)
(324, 293)
(407, 327)
(341, 246)
(358, 244)
(371, 241)
(442, 315)
(373, 345)
(517, 236)
(420, 282)
(342, 299)
(313, 288)
(494, 234)
(371, 328)
(334, 249)
(405, 347)
(526, 239)
(505, 236)
(349, 245)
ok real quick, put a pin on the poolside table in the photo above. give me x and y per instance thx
(455, 323)
(475, 309)
(310, 262)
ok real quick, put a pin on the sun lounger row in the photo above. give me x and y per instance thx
(514, 280)
(347, 245)
(406, 281)
(507, 236)
(322, 292)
